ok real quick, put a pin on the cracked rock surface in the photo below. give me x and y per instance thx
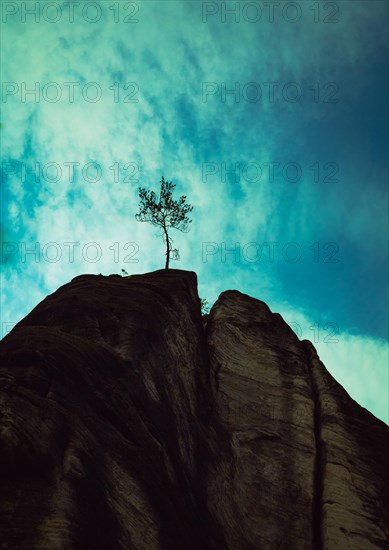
(128, 421)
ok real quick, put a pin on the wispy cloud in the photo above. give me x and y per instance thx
(167, 107)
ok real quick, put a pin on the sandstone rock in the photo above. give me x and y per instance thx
(128, 421)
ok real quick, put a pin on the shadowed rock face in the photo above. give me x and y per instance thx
(129, 422)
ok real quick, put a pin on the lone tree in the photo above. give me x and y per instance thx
(165, 212)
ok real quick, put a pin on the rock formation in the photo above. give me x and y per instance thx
(129, 422)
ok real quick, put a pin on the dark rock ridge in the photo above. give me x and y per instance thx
(128, 422)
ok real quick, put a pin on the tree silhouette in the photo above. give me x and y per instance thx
(204, 306)
(165, 212)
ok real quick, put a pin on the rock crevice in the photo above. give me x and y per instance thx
(317, 492)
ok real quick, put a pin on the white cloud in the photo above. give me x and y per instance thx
(169, 53)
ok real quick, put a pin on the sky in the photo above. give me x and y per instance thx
(271, 117)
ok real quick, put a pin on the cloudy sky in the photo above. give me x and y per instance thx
(270, 117)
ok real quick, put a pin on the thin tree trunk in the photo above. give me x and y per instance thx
(167, 249)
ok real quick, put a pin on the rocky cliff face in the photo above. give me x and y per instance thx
(125, 423)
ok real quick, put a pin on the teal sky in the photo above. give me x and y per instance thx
(273, 120)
